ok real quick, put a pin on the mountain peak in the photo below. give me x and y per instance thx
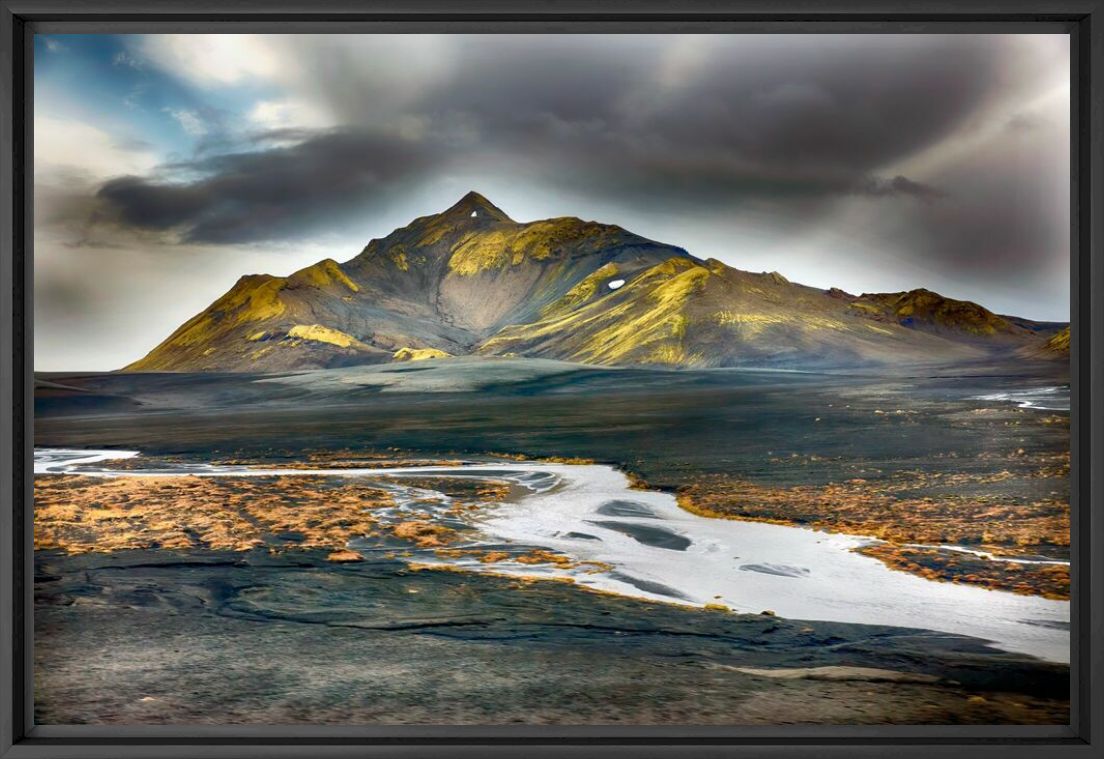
(473, 205)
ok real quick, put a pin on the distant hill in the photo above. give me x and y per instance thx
(470, 280)
(1060, 343)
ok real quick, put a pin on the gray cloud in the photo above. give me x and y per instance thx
(899, 185)
(271, 193)
(757, 119)
(832, 159)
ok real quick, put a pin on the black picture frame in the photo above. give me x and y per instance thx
(1082, 19)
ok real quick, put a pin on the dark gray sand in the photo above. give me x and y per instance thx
(155, 637)
(626, 509)
(780, 570)
(657, 537)
(158, 637)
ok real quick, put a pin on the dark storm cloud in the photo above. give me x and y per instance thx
(899, 185)
(269, 194)
(753, 116)
(1000, 224)
(874, 163)
(810, 103)
(712, 124)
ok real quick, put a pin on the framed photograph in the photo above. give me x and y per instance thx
(609, 378)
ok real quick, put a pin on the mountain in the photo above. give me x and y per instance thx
(689, 313)
(931, 312)
(446, 281)
(471, 280)
(1048, 329)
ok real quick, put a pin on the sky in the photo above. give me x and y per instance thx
(167, 166)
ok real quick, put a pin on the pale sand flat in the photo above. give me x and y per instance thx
(867, 674)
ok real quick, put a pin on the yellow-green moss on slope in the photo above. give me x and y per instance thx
(419, 354)
(644, 321)
(583, 291)
(1060, 343)
(752, 324)
(480, 251)
(510, 245)
(322, 274)
(397, 255)
(254, 298)
(433, 234)
(660, 327)
(322, 334)
(924, 307)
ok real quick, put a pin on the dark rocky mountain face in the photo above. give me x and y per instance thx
(477, 270)
(472, 280)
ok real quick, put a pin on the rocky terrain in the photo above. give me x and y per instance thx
(284, 639)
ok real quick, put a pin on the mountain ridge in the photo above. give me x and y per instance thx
(471, 280)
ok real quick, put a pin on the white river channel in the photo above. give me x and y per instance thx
(660, 552)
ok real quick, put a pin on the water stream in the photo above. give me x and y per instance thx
(639, 543)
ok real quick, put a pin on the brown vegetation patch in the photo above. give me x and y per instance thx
(347, 463)
(951, 508)
(466, 492)
(576, 460)
(884, 509)
(424, 534)
(541, 556)
(1047, 580)
(80, 514)
(344, 556)
(534, 557)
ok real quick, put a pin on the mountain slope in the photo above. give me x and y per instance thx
(472, 280)
(1056, 347)
(931, 312)
(1060, 343)
(446, 282)
(688, 313)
